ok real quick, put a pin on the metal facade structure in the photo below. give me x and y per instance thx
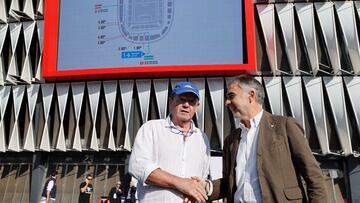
(308, 60)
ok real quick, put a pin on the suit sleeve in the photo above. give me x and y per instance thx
(305, 162)
(219, 189)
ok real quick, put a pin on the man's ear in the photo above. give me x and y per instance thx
(252, 95)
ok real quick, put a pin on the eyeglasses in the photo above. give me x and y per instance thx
(177, 131)
(89, 178)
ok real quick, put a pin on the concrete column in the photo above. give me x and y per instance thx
(38, 176)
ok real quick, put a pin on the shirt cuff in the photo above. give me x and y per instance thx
(148, 169)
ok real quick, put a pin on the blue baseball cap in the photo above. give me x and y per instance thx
(184, 87)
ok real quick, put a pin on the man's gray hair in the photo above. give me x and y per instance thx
(246, 82)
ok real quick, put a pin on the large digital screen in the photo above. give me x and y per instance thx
(130, 38)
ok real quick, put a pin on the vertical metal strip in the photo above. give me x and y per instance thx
(62, 97)
(305, 13)
(78, 95)
(29, 9)
(94, 95)
(47, 92)
(14, 10)
(267, 20)
(294, 94)
(110, 89)
(274, 93)
(200, 83)
(325, 12)
(161, 87)
(216, 88)
(40, 30)
(27, 70)
(13, 72)
(143, 91)
(314, 90)
(126, 88)
(18, 95)
(285, 13)
(32, 96)
(40, 9)
(346, 13)
(3, 14)
(335, 91)
(353, 85)
(4, 98)
(3, 33)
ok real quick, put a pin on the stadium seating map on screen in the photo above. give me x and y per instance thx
(133, 33)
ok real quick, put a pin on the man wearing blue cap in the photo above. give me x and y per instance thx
(168, 152)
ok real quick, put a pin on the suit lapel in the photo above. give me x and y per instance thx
(234, 148)
(265, 128)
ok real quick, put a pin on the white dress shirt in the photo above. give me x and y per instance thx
(49, 188)
(159, 144)
(247, 180)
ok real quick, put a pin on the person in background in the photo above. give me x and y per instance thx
(132, 195)
(49, 191)
(86, 190)
(116, 194)
(168, 152)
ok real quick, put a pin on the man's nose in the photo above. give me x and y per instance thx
(227, 102)
(186, 103)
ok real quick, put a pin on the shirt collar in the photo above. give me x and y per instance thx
(171, 125)
(254, 122)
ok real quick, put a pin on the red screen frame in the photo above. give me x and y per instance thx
(49, 63)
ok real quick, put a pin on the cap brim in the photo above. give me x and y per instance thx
(188, 91)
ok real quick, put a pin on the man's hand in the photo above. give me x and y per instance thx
(206, 184)
(191, 189)
(187, 186)
(200, 180)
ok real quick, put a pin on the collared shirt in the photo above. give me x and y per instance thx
(247, 180)
(160, 144)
